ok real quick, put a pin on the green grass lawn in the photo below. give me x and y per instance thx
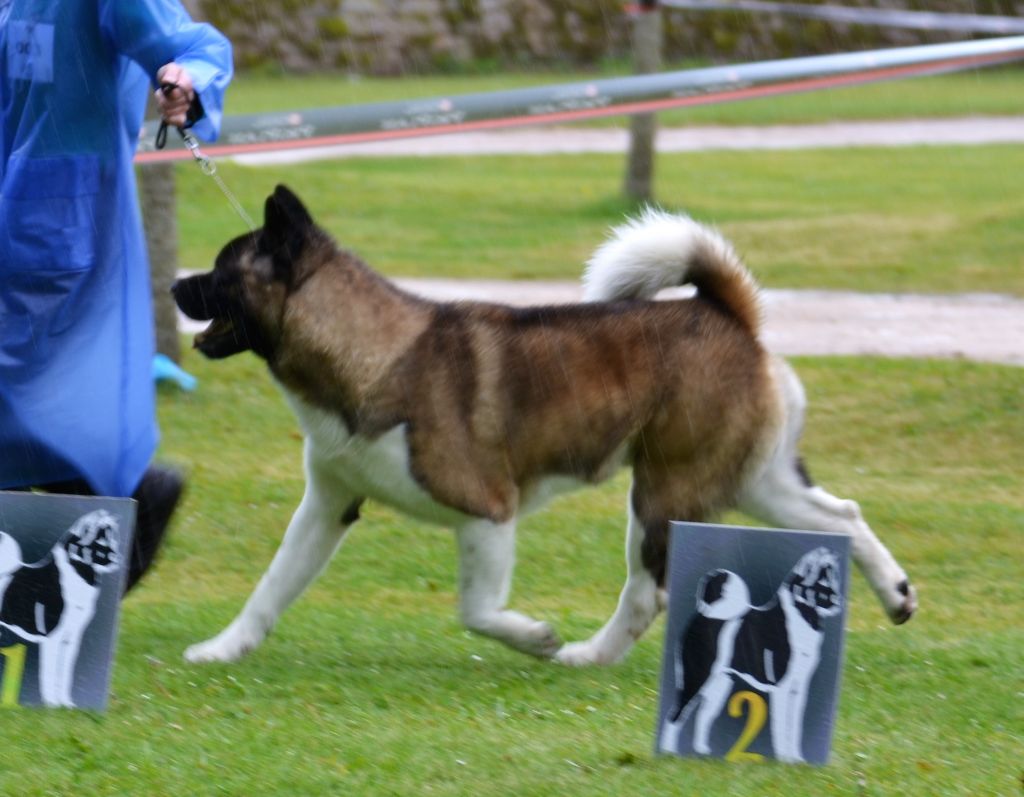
(936, 219)
(980, 92)
(369, 686)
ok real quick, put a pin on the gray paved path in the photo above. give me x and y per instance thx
(550, 140)
(980, 327)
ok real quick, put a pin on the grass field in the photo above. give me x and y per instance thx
(936, 219)
(369, 686)
(981, 92)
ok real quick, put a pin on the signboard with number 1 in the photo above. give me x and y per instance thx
(61, 579)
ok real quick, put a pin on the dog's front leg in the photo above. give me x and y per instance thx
(639, 603)
(58, 654)
(788, 702)
(49, 670)
(314, 534)
(486, 561)
(65, 652)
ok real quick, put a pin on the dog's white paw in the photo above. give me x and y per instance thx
(542, 641)
(902, 603)
(899, 600)
(227, 646)
(581, 654)
(668, 742)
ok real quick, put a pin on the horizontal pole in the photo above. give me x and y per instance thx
(570, 102)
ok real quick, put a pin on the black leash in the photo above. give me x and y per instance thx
(193, 115)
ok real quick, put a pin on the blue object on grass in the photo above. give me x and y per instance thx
(166, 370)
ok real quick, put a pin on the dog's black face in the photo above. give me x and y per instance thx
(243, 297)
(92, 542)
(815, 582)
(217, 297)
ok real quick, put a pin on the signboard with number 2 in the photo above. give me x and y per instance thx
(753, 643)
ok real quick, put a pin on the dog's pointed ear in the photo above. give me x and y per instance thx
(284, 210)
(286, 226)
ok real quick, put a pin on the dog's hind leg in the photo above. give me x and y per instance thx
(711, 699)
(639, 603)
(782, 495)
(314, 534)
(486, 561)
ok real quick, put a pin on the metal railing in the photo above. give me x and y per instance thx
(351, 124)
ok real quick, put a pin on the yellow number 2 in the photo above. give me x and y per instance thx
(756, 716)
(10, 687)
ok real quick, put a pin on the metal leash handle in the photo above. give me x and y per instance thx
(208, 166)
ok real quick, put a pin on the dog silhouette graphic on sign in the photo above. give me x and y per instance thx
(52, 601)
(774, 648)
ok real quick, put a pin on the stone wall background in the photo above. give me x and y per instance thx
(391, 37)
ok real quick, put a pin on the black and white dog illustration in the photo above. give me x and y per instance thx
(774, 648)
(51, 602)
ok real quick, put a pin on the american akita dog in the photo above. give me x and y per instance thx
(470, 415)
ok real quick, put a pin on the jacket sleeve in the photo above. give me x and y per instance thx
(156, 32)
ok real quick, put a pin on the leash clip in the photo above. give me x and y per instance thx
(192, 143)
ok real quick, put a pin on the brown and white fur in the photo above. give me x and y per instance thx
(470, 415)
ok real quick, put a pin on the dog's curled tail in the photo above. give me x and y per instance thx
(663, 250)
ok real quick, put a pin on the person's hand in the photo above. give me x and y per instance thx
(174, 105)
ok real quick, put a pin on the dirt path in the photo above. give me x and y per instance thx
(981, 327)
(577, 140)
(986, 328)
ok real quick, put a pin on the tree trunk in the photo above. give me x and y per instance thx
(160, 222)
(638, 184)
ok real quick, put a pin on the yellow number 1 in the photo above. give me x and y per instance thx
(756, 717)
(10, 688)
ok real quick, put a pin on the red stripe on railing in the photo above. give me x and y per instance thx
(642, 106)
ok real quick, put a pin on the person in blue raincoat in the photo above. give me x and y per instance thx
(76, 328)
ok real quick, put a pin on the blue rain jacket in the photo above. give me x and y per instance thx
(76, 325)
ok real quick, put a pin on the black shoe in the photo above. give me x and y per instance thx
(158, 494)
